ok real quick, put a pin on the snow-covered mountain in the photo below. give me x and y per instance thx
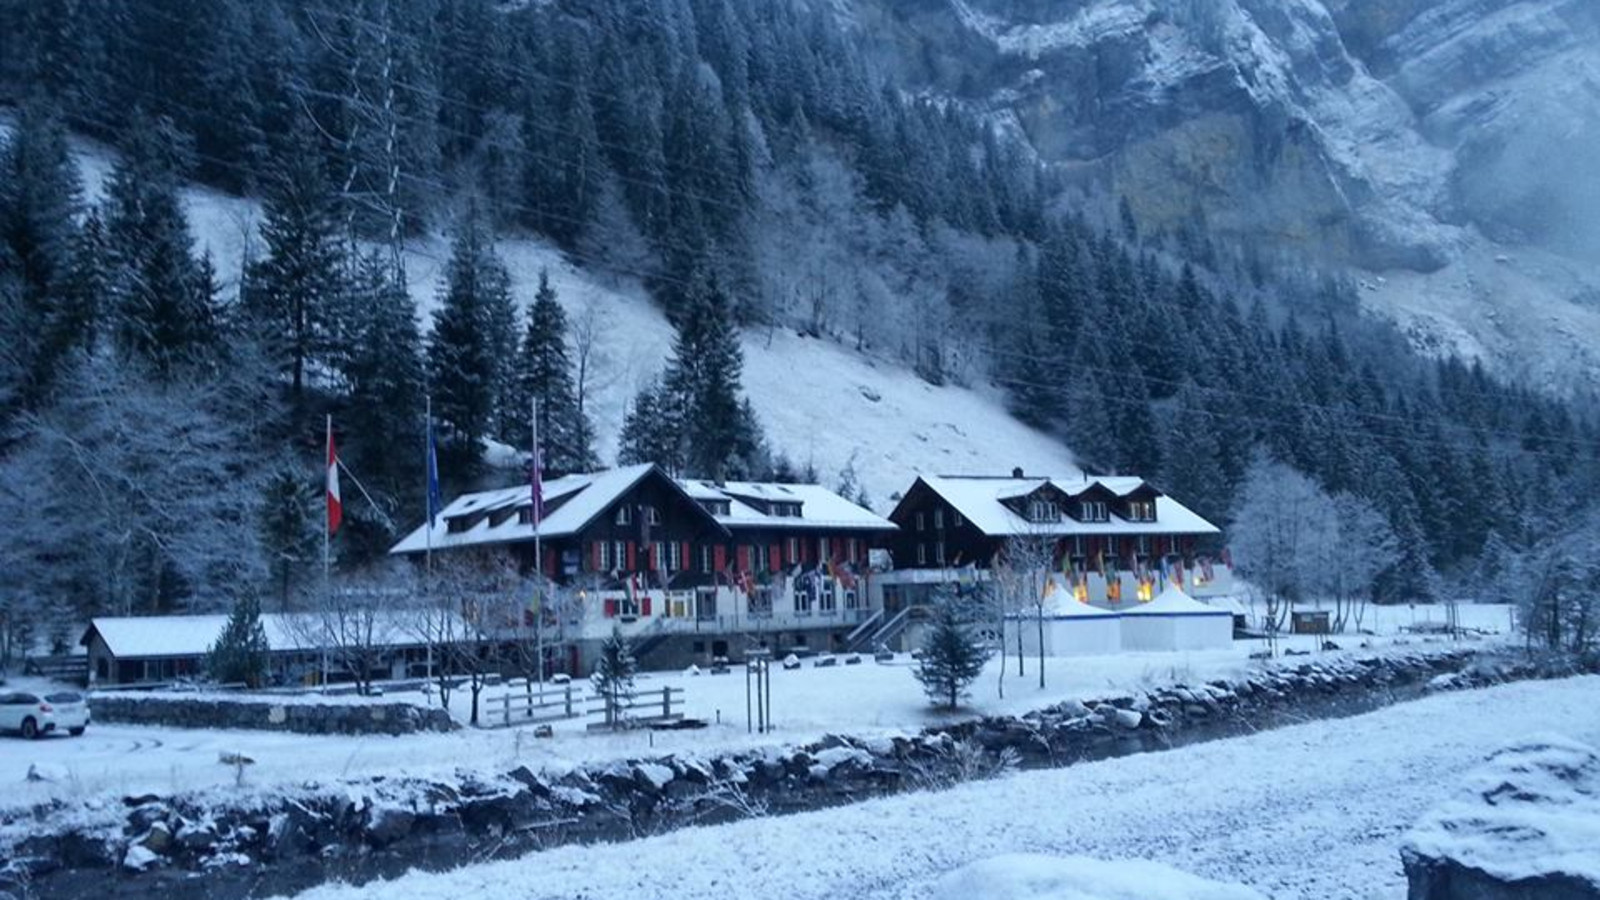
(1442, 150)
(821, 404)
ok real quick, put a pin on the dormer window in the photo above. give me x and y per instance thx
(1141, 510)
(1043, 511)
(717, 507)
(785, 510)
(1094, 511)
(624, 515)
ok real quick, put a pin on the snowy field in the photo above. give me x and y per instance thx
(869, 699)
(1281, 811)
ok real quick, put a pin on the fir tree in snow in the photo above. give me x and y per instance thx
(544, 373)
(953, 654)
(384, 420)
(720, 435)
(613, 676)
(39, 200)
(240, 654)
(293, 294)
(652, 430)
(469, 379)
(289, 540)
(163, 296)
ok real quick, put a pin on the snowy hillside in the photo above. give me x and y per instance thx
(821, 404)
(1439, 150)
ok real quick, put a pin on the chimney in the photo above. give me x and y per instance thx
(1016, 472)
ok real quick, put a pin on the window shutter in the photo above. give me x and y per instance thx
(644, 605)
(744, 557)
(633, 557)
(611, 609)
(775, 557)
(684, 555)
(719, 558)
(595, 551)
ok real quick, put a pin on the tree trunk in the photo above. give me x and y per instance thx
(1041, 646)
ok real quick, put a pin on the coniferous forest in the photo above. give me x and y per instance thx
(747, 161)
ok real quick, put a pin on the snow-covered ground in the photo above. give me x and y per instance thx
(1311, 812)
(821, 404)
(869, 699)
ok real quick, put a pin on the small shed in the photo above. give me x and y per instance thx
(1176, 621)
(1071, 628)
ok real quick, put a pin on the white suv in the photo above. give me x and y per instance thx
(34, 716)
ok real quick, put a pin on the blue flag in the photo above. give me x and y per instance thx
(434, 504)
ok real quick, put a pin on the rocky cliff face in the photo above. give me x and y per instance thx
(1448, 151)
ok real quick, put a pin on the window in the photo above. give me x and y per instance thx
(1094, 511)
(802, 602)
(786, 510)
(652, 515)
(665, 556)
(794, 550)
(829, 602)
(955, 519)
(705, 558)
(624, 515)
(1043, 511)
(922, 554)
(1142, 544)
(938, 519)
(938, 552)
(1142, 510)
(606, 562)
(716, 507)
(921, 523)
(758, 557)
(619, 556)
(851, 599)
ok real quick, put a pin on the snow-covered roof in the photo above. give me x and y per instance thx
(1174, 602)
(819, 507)
(585, 496)
(589, 494)
(978, 499)
(133, 637)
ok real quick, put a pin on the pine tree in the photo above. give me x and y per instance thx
(953, 655)
(384, 419)
(288, 540)
(292, 295)
(164, 297)
(240, 654)
(652, 431)
(544, 373)
(613, 676)
(468, 380)
(719, 433)
(39, 199)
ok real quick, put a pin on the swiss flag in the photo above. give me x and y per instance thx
(335, 507)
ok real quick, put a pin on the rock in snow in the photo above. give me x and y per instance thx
(1526, 824)
(1024, 876)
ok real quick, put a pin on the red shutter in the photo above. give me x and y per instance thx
(611, 609)
(549, 562)
(775, 557)
(742, 554)
(633, 557)
(685, 556)
(719, 558)
(596, 553)
(644, 605)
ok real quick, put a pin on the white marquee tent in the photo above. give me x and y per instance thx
(1175, 621)
(1071, 628)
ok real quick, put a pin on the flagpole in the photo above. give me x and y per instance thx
(327, 520)
(537, 491)
(427, 483)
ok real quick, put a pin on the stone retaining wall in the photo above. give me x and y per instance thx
(265, 715)
(207, 845)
